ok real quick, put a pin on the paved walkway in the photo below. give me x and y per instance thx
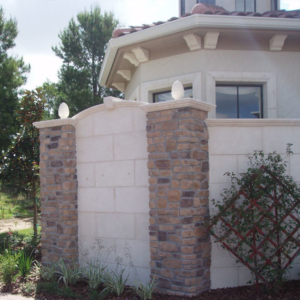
(14, 297)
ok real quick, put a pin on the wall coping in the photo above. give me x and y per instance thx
(185, 102)
(251, 122)
(111, 103)
(54, 123)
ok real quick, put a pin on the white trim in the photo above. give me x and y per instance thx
(251, 122)
(268, 79)
(180, 103)
(194, 21)
(148, 88)
(135, 96)
(55, 123)
(110, 103)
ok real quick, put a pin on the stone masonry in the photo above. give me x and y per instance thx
(58, 194)
(178, 176)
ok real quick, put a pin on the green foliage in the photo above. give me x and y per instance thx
(19, 167)
(8, 266)
(28, 288)
(12, 76)
(25, 261)
(93, 274)
(53, 288)
(47, 273)
(82, 48)
(259, 216)
(69, 275)
(115, 282)
(144, 291)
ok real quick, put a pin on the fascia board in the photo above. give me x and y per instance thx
(203, 21)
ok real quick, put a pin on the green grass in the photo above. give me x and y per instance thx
(14, 207)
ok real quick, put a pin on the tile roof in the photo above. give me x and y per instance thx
(208, 9)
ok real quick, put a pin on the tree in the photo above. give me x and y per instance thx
(82, 50)
(12, 75)
(19, 166)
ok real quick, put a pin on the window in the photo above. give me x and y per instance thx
(239, 101)
(274, 5)
(212, 2)
(245, 5)
(182, 7)
(166, 95)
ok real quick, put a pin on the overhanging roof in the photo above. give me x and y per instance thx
(191, 22)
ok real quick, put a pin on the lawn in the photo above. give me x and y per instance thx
(18, 207)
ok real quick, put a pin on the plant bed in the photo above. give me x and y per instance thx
(54, 291)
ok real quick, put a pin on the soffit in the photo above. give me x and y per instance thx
(175, 44)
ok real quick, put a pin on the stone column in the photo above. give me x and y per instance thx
(178, 170)
(58, 178)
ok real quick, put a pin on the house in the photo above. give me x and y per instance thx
(102, 169)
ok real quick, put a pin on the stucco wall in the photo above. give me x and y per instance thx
(228, 150)
(113, 196)
(284, 65)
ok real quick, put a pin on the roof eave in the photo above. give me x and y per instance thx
(211, 21)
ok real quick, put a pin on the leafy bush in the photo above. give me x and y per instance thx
(70, 275)
(144, 291)
(8, 266)
(115, 282)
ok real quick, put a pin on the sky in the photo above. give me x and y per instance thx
(40, 21)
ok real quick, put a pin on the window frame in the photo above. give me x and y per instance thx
(274, 5)
(237, 85)
(245, 5)
(205, 1)
(167, 91)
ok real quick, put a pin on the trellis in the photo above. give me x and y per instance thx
(259, 224)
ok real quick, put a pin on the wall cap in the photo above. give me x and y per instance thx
(251, 122)
(54, 123)
(172, 104)
(109, 104)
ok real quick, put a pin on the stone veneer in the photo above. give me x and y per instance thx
(58, 178)
(178, 169)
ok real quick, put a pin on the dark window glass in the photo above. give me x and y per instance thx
(212, 2)
(245, 5)
(239, 102)
(166, 95)
(182, 7)
(274, 5)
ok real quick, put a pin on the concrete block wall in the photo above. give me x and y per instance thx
(230, 143)
(113, 197)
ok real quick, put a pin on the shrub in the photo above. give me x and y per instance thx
(8, 266)
(93, 274)
(115, 282)
(70, 275)
(24, 263)
(144, 291)
(47, 273)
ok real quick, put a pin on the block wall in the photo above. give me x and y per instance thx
(113, 200)
(229, 147)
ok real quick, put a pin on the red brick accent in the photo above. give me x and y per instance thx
(178, 169)
(58, 177)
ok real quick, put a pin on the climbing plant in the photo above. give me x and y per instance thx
(258, 219)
